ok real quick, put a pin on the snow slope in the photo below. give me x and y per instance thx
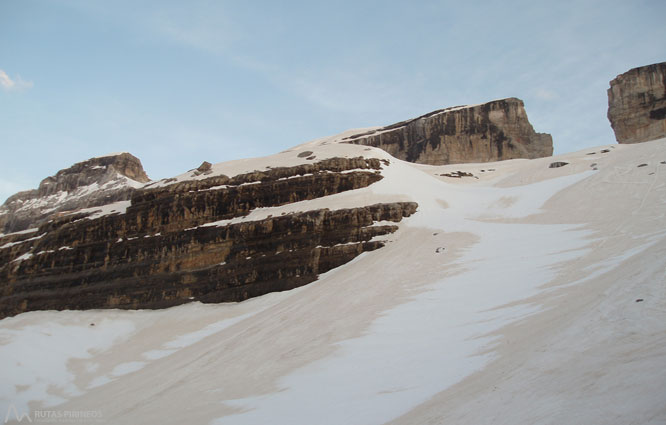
(527, 295)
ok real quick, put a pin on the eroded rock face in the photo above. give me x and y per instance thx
(188, 241)
(95, 182)
(492, 131)
(637, 104)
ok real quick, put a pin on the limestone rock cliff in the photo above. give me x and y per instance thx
(177, 241)
(637, 104)
(95, 182)
(101, 235)
(491, 131)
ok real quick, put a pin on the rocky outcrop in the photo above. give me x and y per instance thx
(637, 104)
(492, 131)
(190, 240)
(101, 235)
(91, 183)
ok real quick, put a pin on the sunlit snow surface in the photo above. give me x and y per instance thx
(561, 254)
(34, 358)
(435, 339)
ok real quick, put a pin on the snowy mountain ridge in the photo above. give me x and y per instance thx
(91, 183)
(516, 293)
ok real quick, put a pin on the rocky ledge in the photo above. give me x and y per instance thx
(101, 235)
(91, 183)
(192, 240)
(491, 131)
(637, 104)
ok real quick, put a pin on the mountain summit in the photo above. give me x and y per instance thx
(95, 182)
(492, 131)
(375, 290)
(100, 234)
(637, 104)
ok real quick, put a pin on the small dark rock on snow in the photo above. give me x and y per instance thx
(205, 166)
(457, 174)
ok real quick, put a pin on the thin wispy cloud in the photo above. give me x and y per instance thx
(201, 25)
(18, 83)
(545, 94)
(266, 75)
(204, 27)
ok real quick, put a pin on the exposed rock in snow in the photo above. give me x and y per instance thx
(210, 239)
(492, 131)
(637, 104)
(515, 292)
(507, 299)
(95, 182)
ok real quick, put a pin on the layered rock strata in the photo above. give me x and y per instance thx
(637, 104)
(91, 183)
(100, 235)
(492, 131)
(189, 241)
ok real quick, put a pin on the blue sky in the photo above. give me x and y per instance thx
(177, 83)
